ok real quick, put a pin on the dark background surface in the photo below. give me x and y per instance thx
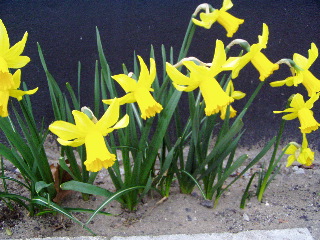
(65, 30)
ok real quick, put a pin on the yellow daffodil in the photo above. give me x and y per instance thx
(139, 91)
(204, 78)
(301, 154)
(10, 56)
(91, 133)
(9, 85)
(256, 57)
(235, 95)
(229, 22)
(302, 110)
(303, 75)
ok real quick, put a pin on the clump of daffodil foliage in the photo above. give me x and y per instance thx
(140, 138)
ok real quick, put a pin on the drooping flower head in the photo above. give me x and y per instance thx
(203, 77)
(9, 85)
(10, 56)
(139, 91)
(302, 110)
(237, 95)
(301, 74)
(229, 22)
(256, 57)
(301, 154)
(91, 133)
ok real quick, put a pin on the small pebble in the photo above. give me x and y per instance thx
(207, 203)
(246, 217)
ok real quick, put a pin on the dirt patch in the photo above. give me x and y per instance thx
(291, 201)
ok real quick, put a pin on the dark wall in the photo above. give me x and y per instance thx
(66, 31)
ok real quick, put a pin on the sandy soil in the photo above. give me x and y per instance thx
(292, 200)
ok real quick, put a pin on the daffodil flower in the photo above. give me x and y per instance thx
(303, 75)
(301, 154)
(10, 56)
(256, 57)
(85, 131)
(139, 91)
(229, 22)
(9, 85)
(302, 110)
(235, 95)
(204, 78)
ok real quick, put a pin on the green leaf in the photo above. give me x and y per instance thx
(85, 188)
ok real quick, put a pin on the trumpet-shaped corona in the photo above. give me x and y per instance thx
(139, 91)
(91, 133)
(204, 78)
(10, 56)
(9, 85)
(302, 110)
(228, 21)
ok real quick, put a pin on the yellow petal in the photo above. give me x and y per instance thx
(145, 77)
(122, 123)
(4, 39)
(227, 4)
(176, 76)
(72, 143)
(297, 101)
(263, 39)
(13, 58)
(18, 94)
(82, 121)
(110, 117)
(98, 156)
(313, 55)
(238, 95)
(66, 131)
(127, 83)
(219, 59)
(301, 61)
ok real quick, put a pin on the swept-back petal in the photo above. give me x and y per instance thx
(311, 101)
(127, 83)
(110, 117)
(227, 4)
(82, 121)
(144, 77)
(15, 51)
(263, 39)
(176, 76)
(313, 54)
(219, 58)
(290, 116)
(66, 131)
(301, 61)
(17, 62)
(122, 123)
(297, 101)
(18, 94)
(72, 143)
(4, 39)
